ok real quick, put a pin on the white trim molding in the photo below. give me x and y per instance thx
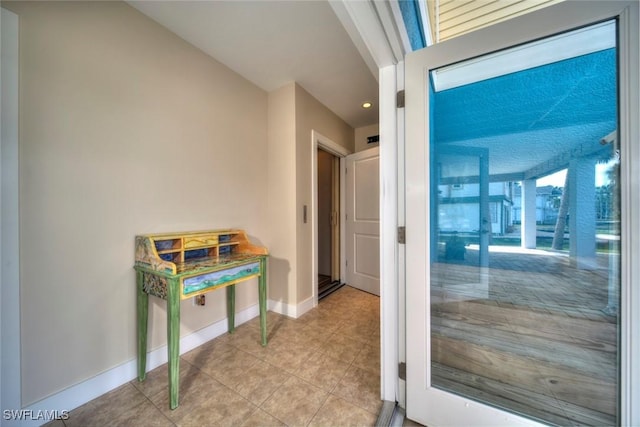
(579, 42)
(629, 134)
(320, 141)
(361, 21)
(389, 267)
(290, 310)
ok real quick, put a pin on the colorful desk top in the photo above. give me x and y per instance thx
(182, 254)
(199, 261)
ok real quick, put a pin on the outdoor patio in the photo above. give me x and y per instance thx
(530, 334)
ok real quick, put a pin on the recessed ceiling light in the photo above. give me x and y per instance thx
(367, 105)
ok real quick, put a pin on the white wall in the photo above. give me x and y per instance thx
(9, 199)
(293, 114)
(124, 129)
(311, 115)
(281, 212)
(361, 135)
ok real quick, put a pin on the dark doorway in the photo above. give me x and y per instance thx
(328, 223)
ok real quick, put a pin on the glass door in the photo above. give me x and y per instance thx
(514, 223)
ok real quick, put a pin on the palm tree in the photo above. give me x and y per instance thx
(558, 232)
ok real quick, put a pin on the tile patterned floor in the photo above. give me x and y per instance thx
(322, 369)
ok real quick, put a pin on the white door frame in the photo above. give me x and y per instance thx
(320, 141)
(564, 16)
(391, 252)
(629, 100)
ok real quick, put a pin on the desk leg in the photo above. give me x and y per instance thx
(173, 338)
(143, 319)
(231, 308)
(262, 300)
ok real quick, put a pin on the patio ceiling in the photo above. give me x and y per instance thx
(534, 121)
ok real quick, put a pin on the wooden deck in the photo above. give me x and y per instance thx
(528, 335)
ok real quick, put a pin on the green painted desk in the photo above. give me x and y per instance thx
(178, 266)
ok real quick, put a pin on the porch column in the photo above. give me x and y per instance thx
(582, 213)
(485, 213)
(434, 205)
(528, 215)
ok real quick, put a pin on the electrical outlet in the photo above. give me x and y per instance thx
(198, 300)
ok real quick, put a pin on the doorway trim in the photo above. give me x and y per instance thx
(629, 101)
(320, 141)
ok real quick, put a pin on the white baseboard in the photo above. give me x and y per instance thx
(88, 390)
(289, 310)
(304, 306)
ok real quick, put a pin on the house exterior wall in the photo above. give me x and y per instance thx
(454, 18)
(124, 129)
(465, 217)
(459, 210)
(547, 205)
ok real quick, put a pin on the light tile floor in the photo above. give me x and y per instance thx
(322, 369)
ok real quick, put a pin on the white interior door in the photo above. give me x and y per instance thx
(430, 226)
(363, 220)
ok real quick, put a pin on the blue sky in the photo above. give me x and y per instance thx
(557, 179)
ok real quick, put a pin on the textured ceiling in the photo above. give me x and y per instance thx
(525, 119)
